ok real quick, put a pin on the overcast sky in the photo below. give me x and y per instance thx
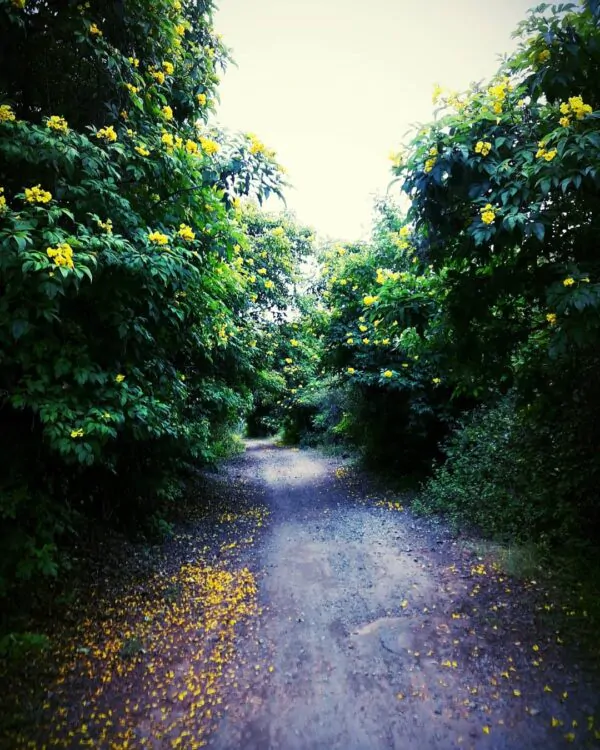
(333, 86)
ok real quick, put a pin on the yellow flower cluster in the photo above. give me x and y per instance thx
(158, 76)
(134, 61)
(62, 255)
(280, 231)
(574, 106)
(208, 146)
(168, 67)
(201, 99)
(544, 56)
(388, 374)
(383, 274)
(106, 225)
(191, 147)
(3, 206)
(120, 378)
(77, 433)
(551, 318)
(168, 140)
(186, 233)
(488, 214)
(369, 300)
(107, 133)
(59, 124)
(142, 150)
(37, 195)
(94, 30)
(498, 93)
(167, 112)
(6, 113)
(131, 88)
(269, 284)
(430, 163)
(569, 281)
(158, 238)
(351, 371)
(543, 154)
(436, 381)
(483, 147)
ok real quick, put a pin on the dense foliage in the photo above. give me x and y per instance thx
(148, 305)
(128, 302)
(479, 308)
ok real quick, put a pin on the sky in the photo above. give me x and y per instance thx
(333, 86)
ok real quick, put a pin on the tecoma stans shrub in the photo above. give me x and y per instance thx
(124, 317)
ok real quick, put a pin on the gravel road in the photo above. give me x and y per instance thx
(383, 632)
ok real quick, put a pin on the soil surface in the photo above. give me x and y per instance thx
(310, 610)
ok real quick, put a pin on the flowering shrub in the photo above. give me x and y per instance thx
(122, 310)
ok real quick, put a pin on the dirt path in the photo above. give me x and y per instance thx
(303, 610)
(384, 634)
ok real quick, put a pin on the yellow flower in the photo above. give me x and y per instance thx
(6, 113)
(3, 205)
(186, 232)
(289, 360)
(158, 76)
(565, 121)
(429, 165)
(106, 225)
(59, 124)
(131, 88)
(388, 374)
(158, 238)
(488, 214)
(134, 61)
(350, 340)
(280, 231)
(168, 67)
(551, 318)
(107, 133)
(436, 94)
(142, 150)
(19, 4)
(180, 29)
(168, 140)
(483, 147)
(578, 107)
(569, 281)
(362, 328)
(120, 378)
(436, 381)
(77, 433)
(549, 155)
(37, 195)
(94, 30)
(208, 146)
(486, 729)
(369, 300)
(544, 56)
(62, 255)
(294, 342)
(262, 271)
(365, 341)
(167, 112)
(191, 147)
(201, 99)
